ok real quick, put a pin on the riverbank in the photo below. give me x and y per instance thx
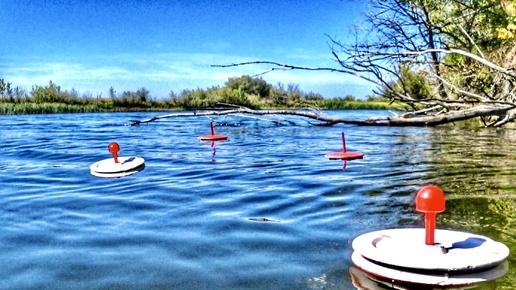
(244, 91)
(11, 108)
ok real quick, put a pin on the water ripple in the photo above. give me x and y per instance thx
(263, 210)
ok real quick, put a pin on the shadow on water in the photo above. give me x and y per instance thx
(469, 243)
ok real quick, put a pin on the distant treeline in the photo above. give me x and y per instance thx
(245, 91)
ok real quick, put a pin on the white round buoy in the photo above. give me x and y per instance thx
(108, 167)
(382, 273)
(429, 256)
(117, 166)
(115, 175)
(453, 251)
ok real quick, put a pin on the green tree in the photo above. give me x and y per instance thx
(294, 93)
(199, 98)
(249, 85)
(112, 93)
(410, 83)
(5, 89)
(143, 95)
(233, 96)
(313, 96)
(174, 99)
(48, 94)
(463, 49)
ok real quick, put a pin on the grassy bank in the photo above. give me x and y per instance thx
(53, 108)
(45, 108)
(362, 105)
(243, 91)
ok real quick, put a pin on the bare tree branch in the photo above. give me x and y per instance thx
(435, 56)
(404, 120)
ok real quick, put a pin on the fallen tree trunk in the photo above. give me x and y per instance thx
(409, 119)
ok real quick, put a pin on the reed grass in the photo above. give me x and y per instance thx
(360, 105)
(14, 108)
(45, 108)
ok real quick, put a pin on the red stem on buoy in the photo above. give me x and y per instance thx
(343, 143)
(343, 150)
(114, 148)
(430, 228)
(212, 129)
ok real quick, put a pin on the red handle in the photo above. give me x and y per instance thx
(430, 200)
(114, 148)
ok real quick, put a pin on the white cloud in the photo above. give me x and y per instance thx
(157, 71)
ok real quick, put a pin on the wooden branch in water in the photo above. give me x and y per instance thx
(326, 121)
(416, 121)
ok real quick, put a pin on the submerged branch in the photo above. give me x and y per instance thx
(326, 120)
(402, 120)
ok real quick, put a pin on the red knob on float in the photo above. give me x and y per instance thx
(430, 200)
(114, 148)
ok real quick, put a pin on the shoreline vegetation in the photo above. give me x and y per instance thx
(243, 91)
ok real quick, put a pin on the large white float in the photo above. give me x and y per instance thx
(117, 166)
(429, 256)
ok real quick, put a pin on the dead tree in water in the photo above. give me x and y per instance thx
(498, 103)
(324, 120)
(448, 60)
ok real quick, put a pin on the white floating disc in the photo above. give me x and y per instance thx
(453, 251)
(125, 164)
(116, 174)
(390, 276)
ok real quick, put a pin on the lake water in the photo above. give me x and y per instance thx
(263, 210)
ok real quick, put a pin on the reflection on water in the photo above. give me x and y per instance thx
(263, 210)
(364, 281)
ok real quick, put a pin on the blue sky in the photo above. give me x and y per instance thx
(163, 46)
